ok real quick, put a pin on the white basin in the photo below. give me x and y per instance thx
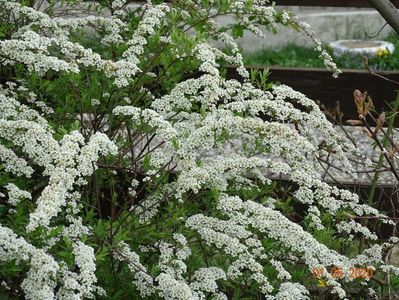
(361, 47)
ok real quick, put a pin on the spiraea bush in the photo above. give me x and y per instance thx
(131, 168)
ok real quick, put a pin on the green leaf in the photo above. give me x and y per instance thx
(237, 31)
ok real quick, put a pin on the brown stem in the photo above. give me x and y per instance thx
(376, 139)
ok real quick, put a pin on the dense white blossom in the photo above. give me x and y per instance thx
(13, 163)
(142, 280)
(85, 260)
(40, 281)
(206, 134)
(204, 279)
(289, 290)
(15, 195)
(72, 161)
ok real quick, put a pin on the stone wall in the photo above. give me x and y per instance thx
(329, 24)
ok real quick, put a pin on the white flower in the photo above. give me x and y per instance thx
(40, 281)
(85, 260)
(15, 195)
(143, 281)
(95, 102)
(294, 291)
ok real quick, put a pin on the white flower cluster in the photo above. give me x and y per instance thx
(85, 260)
(118, 7)
(197, 134)
(38, 60)
(40, 281)
(266, 12)
(327, 59)
(170, 283)
(355, 227)
(236, 241)
(73, 161)
(147, 208)
(230, 235)
(163, 129)
(170, 288)
(236, 59)
(142, 280)
(173, 285)
(208, 130)
(14, 164)
(289, 290)
(15, 195)
(65, 163)
(204, 279)
(128, 67)
(32, 49)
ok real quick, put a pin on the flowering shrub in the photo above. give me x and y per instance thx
(131, 168)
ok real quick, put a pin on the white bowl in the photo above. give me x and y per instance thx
(363, 47)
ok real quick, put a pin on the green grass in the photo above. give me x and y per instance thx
(297, 56)
(289, 56)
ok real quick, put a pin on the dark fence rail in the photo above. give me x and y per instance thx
(321, 3)
(331, 3)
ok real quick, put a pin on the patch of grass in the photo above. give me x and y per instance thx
(297, 56)
(289, 56)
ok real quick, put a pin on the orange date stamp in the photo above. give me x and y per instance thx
(338, 273)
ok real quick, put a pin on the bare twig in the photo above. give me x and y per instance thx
(378, 32)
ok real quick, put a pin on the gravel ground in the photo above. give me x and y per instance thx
(334, 172)
(369, 150)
